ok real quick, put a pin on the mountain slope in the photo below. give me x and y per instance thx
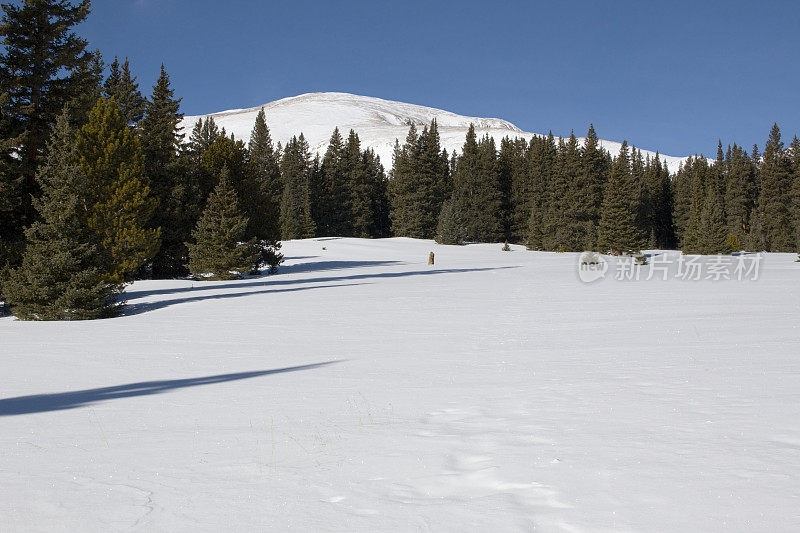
(378, 123)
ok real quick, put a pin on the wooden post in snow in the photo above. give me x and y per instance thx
(430, 258)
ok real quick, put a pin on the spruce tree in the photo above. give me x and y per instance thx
(406, 200)
(740, 192)
(449, 229)
(794, 152)
(43, 66)
(117, 198)
(61, 275)
(421, 180)
(10, 197)
(121, 85)
(360, 188)
(476, 190)
(176, 194)
(541, 156)
(775, 195)
(520, 196)
(334, 206)
(713, 231)
(376, 176)
(265, 177)
(219, 250)
(618, 231)
(595, 174)
(296, 221)
(691, 241)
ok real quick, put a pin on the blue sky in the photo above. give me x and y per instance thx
(671, 76)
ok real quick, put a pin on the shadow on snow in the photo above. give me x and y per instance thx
(271, 284)
(40, 403)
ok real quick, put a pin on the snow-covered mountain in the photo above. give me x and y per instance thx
(378, 123)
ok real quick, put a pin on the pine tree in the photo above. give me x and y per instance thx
(541, 157)
(43, 66)
(121, 85)
(476, 190)
(60, 276)
(775, 196)
(691, 241)
(794, 152)
(449, 229)
(296, 221)
(595, 170)
(567, 222)
(334, 206)
(740, 192)
(265, 175)
(203, 134)
(169, 179)
(117, 198)
(380, 226)
(405, 197)
(219, 250)
(360, 188)
(618, 231)
(681, 189)
(432, 175)
(10, 197)
(520, 196)
(713, 231)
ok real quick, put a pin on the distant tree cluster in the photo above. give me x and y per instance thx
(98, 186)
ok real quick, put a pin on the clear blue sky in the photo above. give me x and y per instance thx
(672, 76)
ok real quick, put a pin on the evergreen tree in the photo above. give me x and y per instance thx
(360, 188)
(692, 238)
(740, 192)
(520, 195)
(296, 221)
(10, 197)
(682, 194)
(775, 195)
(334, 205)
(203, 134)
(595, 174)
(433, 178)
(219, 250)
(406, 200)
(43, 66)
(265, 175)
(60, 276)
(378, 185)
(618, 231)
(177, 195)
(794, 151)
(449, 229)
(567, 224)
(421, 180)
(542, 155)
(713, 231)
(117, 198)
(476, 190)
(121, 85)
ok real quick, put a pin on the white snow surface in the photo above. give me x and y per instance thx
(360, 389)
(378, 123)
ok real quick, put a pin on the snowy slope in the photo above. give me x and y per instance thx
(378, 123)
(361, 390)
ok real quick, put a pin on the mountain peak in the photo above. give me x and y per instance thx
(378, 123)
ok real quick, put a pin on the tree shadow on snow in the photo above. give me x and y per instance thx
(40, 403)
(277, 281)
(136, 309)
